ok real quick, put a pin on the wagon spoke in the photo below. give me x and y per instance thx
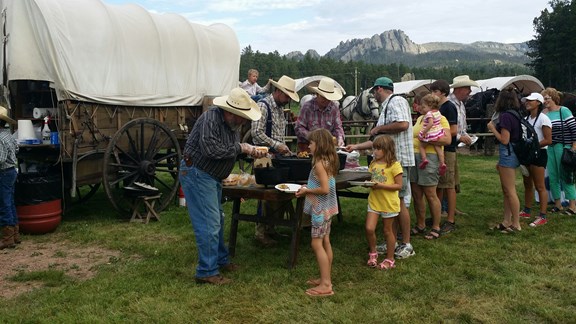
(143, 150)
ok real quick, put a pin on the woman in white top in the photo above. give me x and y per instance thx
(543, 126)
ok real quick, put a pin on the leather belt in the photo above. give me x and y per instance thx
(187, 160)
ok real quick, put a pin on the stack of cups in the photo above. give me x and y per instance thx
(25, 131)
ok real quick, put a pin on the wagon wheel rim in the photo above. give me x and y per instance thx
(83, 194)
(143, 150)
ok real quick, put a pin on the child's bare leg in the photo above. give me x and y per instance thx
(390, 237)
(423, 155)
(323, 259)
(440, 153)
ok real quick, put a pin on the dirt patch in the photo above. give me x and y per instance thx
(77, 262)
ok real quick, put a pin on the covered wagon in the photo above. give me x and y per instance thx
(122, 87)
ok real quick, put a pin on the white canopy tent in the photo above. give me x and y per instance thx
(117, 54)
(525, 83)
(411, 88)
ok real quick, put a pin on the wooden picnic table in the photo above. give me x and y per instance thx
(294, 214)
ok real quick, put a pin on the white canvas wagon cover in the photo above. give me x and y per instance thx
(524, 83)
(117, 54)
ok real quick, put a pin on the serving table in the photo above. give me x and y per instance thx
(294, 214)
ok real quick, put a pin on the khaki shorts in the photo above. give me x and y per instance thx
(428, 176)
(405, 190)
(448, 181)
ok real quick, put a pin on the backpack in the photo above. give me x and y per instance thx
(528, 146)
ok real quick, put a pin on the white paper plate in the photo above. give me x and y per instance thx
(473, 138)
(362, 183)
(288, 187)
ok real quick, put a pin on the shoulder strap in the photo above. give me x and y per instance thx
(386, 107)
(268, 130)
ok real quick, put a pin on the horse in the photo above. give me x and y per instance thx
(569, 100)
(361, 108)
(476, 107)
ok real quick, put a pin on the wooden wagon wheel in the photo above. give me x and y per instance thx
(143, 150)
(83, 193)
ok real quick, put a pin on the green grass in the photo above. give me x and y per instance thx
(472, 275)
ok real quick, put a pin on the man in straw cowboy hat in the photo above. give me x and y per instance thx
(209, 156)
(395, 120)
(8, 150)
(320, 112)
(461, 89)
(269, 131)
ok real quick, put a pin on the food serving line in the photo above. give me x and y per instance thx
(294, 219)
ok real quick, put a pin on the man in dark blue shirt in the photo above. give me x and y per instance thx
(209, 156)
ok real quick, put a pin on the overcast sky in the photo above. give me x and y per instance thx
(300, 25)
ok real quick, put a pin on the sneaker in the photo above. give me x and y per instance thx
(382, 249)
(404, 251)
(524, 170)
(524, 214)
(539, 221)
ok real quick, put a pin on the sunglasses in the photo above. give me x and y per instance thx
(547, 98)
(376, 88)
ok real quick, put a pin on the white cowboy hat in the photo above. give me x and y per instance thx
(4, 115)
(240, 104)
(463, 81)
(287, 85)
(327, 89)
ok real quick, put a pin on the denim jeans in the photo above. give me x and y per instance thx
(203, 195)
(8, 216)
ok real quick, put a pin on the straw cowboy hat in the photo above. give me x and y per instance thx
(240, 104)
(4, 115)
(287, 85)
(463, 81)
(327, 89)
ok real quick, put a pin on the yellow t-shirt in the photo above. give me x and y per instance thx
(384, 200)
(418, 126)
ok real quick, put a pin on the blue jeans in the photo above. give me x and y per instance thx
(8, 216)
(203, 195)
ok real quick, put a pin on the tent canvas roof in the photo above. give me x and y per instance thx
(525, 83)
(117, 54)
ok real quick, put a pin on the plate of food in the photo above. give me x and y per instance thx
(474, 138)
(362, 183)
(288, 187)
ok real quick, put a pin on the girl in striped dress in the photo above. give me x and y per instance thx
(321, 204)
(431, 130)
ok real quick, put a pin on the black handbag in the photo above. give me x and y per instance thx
(568, 159)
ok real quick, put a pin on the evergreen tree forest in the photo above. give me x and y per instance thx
(357, 75)
(553, 50)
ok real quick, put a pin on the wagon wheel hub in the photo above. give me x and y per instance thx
(147, 168)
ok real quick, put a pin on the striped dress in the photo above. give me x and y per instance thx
(325, 205)
(436, 131)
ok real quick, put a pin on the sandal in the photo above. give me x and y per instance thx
(555, 209)
(373, 260)
(500, 227)
(447, 227)
(433, 234)
(387, 264)
(418, 231)
(569, 211)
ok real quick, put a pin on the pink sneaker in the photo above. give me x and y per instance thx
(524, 214)
(538, 222)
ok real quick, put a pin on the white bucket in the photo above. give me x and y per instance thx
(25, 130)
